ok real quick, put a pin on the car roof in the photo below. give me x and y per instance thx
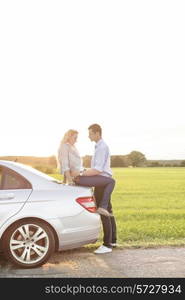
(36, 178)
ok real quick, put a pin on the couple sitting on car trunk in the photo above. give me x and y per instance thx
(98, 176)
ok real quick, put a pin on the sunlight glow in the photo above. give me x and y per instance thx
(68, 64)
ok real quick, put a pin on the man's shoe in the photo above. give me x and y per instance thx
(103, 211)
(103, 249)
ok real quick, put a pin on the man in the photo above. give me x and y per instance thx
(100, 177)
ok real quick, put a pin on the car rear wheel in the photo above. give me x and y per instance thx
(29, 243)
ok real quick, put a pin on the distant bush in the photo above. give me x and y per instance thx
(183, 163)
(154, 164)
(120, 161)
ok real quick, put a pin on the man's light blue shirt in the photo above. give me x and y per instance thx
(101, 159)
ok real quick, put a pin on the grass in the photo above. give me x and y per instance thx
(149, 206)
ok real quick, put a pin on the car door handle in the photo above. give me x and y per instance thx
(7, 196)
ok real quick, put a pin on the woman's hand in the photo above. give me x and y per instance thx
(69, 178)
(75, 173)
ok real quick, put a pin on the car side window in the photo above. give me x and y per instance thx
(12, 180)
(1, 171)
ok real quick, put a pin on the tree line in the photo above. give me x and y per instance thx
(133, 159)
(136, 159)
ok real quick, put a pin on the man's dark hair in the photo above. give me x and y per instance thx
(96, 128)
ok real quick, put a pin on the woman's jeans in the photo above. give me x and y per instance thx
(107, 183)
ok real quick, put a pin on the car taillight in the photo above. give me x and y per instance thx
(88, 203)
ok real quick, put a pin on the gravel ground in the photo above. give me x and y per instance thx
(166, 262)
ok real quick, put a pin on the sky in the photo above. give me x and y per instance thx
(69, 64)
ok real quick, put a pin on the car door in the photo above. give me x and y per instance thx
(14, 191)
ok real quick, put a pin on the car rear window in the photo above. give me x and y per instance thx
(10, 179)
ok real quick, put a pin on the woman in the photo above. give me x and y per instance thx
(68, 156)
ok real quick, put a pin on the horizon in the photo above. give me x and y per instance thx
(33, 156)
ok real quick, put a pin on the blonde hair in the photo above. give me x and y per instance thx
(65, 140)
(68, 135)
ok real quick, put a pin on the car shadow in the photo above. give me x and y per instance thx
(60, 258)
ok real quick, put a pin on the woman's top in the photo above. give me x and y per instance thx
(69, 158)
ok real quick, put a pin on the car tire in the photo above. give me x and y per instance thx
(28, 243)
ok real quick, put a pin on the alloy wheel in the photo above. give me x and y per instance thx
(29, 243)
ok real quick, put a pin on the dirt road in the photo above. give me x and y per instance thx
(164, 262)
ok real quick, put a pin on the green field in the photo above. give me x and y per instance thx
(149, 206)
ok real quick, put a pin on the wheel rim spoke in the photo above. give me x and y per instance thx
(15, 244)
(28, 254)
(39, 249)
(24, 254)
(26, 228)
(36, 234)
(24, 231)
(43, 235)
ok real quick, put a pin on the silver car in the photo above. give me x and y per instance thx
(40, 215)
